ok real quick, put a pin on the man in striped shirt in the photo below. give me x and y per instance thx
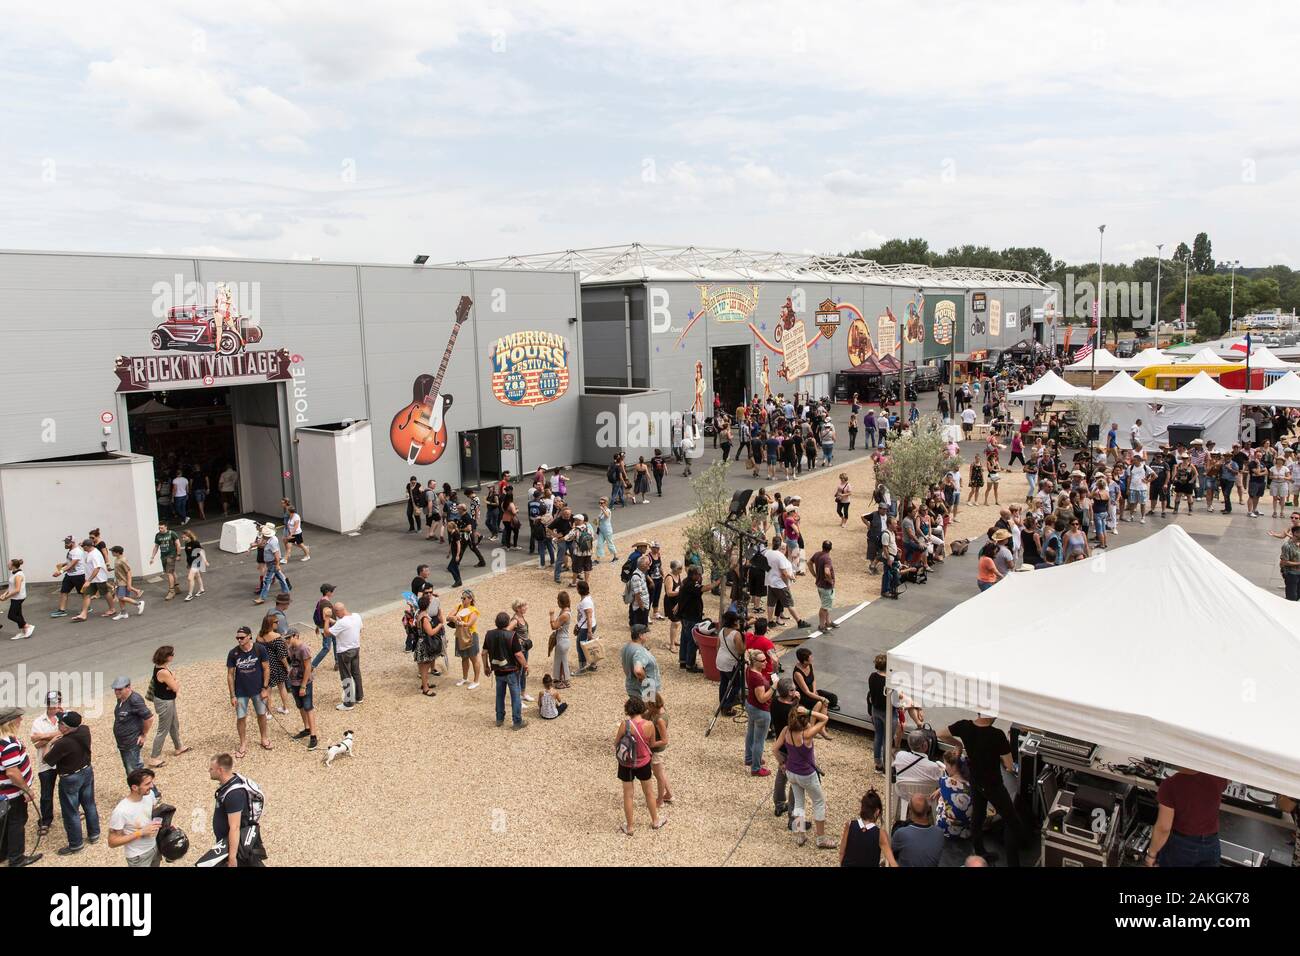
(15, 791)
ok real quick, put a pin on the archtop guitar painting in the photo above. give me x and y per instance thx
(419, 431)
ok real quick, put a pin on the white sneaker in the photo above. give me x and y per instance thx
(462, 682)
(1143, 521)
(343, 707)
(140, 609)
(120, 617)
(307, 558)
(30, 628)
(189, 597)
(530, 698)
(473, 685)
(19, 636)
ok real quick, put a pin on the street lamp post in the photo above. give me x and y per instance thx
(1187, 265)
(1096, 304)
(1159, 268)
(1232, 289)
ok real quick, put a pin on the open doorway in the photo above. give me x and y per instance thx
(224, 441)
(731, 365)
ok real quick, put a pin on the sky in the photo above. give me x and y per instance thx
(381, 130)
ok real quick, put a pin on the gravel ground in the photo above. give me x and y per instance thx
(434, 782)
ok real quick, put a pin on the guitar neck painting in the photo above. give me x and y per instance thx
(419, 431)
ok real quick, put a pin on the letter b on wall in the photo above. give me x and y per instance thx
(661, 319)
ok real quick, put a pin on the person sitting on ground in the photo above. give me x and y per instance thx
(549, 705)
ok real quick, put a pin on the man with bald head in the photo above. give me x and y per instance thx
(345, 630)
(918, 842)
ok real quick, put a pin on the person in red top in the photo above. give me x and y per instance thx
(758, 708)
(757, 640)
(1187, 828)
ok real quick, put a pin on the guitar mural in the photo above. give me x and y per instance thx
(419, 431)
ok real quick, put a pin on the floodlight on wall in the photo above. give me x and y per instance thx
(420, 260)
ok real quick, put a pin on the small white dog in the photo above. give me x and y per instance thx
(341, 749)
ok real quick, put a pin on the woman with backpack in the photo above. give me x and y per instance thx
(632, 742)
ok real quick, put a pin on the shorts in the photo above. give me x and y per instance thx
(1183, 489)
(792, 545)
(1137, 496)
(303, 702)
(1255, 489)
(471, 651)
(994, 477)
(628, 774)
(657, 758)
(779, 599)
(123, 591)
(966, 428)
(200, 496)
(72, 582)
(580, 563)
(169, 563)
(1281, 489)
(296, 539)
(241, 706)
(98, 589)
(827, 596)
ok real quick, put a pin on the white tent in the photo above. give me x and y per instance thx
(1284, 393)
(1106, 362)
(1202, 388)
(1262, 358)
(1156, 649)
(1049, 384)
(1148, 356)
(1123, 387)
(1206, 356)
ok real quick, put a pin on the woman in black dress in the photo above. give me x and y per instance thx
(414, 504)
(864, 842)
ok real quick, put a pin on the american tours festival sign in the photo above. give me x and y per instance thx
(529, 368)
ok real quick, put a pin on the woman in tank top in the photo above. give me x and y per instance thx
(863, 842)
(164, 684)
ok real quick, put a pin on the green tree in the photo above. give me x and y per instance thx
(1208, 325)
(712, 503)
(917, 459)
(898, 252)
(1202, 254)
(1035, 260)
(1182, 253)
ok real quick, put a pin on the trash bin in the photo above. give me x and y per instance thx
(706, 639)
(1185, 434)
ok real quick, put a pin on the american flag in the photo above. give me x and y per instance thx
(1083, 353)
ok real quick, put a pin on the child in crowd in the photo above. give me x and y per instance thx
(549, 705)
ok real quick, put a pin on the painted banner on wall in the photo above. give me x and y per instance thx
(729, 303)
(529, 368)
(886, 333)
(945, 321)
(995, 317)
(794, 342)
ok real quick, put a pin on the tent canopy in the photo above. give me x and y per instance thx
(1284, 393)
(1202, 388)
(1207, 356)
(1192, 640)
(1122, 386)
(1049, 384)
(870, 366)
(1106, 362)
(1148, 356)
(1262, 358)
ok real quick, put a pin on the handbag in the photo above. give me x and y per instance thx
(550, 644)
(464, 638)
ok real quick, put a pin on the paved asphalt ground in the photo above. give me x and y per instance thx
(370, 569)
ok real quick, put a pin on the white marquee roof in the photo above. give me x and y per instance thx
(639, 262)
(1049, 384)
(1046, 649)
(1106, 362)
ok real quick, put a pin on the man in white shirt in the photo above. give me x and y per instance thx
(96, 582)
(1139, 474)
(914, 766)
(181, 497)
(132, 825)
(45, 730)
(584, 626)
(227, 482)
(780, 572)
(73, 570)
(345, 629)
(967, 422)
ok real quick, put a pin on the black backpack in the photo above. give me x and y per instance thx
(629, 566)
(611, 474)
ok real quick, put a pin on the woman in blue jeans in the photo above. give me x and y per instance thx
(758, 708)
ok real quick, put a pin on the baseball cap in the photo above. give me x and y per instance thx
(244, 629)
(52, 698)
(120, 682)
(71, 719)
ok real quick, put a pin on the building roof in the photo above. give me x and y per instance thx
(637, 262)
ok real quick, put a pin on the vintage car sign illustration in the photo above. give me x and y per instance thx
(211, 346)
